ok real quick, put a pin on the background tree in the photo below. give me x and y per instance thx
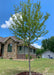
(51, 44)
(45, 44)
(29, 23)
(48, 44)
(39, 51)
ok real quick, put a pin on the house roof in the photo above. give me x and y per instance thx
(3, 40)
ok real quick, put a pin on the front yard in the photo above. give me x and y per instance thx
(12, 67)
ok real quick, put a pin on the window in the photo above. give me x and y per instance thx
(30, 49)
(9, 47)
(34, 51)
(20, 48)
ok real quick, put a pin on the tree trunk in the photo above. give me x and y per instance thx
(29, 60)
(24, 52)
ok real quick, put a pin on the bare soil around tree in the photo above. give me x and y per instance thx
(27, 73)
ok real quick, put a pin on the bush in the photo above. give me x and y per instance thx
(1, 57)
(30, 57)
(11, 58)
(26, 56)
(38, 56)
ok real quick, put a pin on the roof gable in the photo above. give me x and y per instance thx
(3, 40)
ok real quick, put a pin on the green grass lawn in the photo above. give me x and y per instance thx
(12, 67)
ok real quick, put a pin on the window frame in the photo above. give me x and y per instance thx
(9, 47)
(20, 48)
(34, 51)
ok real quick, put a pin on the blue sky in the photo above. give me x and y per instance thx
(6, 8)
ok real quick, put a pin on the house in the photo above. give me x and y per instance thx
(10, 47)
(48, 54)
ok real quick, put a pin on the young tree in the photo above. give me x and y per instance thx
(29, 23)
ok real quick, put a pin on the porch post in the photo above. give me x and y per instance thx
(15, 55)
(0, 49)
(16, 49)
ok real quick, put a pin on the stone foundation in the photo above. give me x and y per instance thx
(23, 56)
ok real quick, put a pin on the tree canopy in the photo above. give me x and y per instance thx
(29, 22)
(48, 44)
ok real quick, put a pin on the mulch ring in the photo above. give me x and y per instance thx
(27, 73)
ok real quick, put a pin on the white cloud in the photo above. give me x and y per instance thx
(9, 22)
(36, 45)
(40, 38)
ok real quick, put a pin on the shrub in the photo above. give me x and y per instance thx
(1, 57)
(30, 57)
(38, 56)
(26, 56)
(11, 58)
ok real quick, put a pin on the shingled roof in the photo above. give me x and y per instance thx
(3, 40)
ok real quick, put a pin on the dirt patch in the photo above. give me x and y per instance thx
(27, 73)
(46, 70)
(23, 59)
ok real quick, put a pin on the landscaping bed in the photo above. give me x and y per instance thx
(27, 73)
